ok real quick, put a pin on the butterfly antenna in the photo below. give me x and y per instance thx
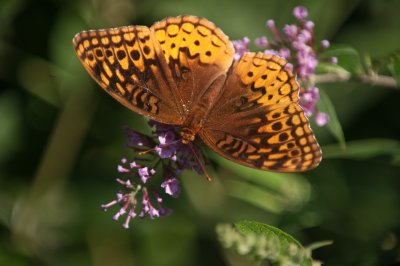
(146, 151)
(196, 156)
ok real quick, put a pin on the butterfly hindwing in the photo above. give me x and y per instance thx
(261, 123)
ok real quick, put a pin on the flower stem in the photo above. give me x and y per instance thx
(374, 79)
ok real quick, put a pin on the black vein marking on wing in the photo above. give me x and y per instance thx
(244, 104)
(140, 95)
(230, 144)
(174, 64)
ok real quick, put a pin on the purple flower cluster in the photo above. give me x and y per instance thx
(296, 44)
(241, 47)
(162, 157)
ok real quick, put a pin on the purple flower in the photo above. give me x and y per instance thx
(321, 119)
(147, 207)
(309, 25)
(271, 24)
(290, 31)
(167, 147)
(191, 158)
(284, 52)
(159, 128)
(261, 42)
(271, 51)
(161, 151)
(145, 173)
(300, 12)
(241, 47)
(130, 215)
(161, 210)
(126, 184)
(126, 167)
(304, 36)
(309, 99)
(135, 138)
(334, 60)
(311, 94)
(127, 201)
(122, 169)
(325, 44)
(289, 66)
(171, 187)
(133, 165)
(307, 64)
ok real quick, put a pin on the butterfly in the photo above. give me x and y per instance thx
(181, 72)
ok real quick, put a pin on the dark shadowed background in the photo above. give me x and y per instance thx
(61, 139)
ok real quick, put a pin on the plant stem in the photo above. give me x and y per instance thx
(374, 79)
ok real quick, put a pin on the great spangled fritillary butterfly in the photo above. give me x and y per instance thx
(180, 71)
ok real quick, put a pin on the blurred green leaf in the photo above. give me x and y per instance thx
(11, 123)
(363, 149)
(10, 258)
(394, 68)
(347, 56)
(325, 105)
(285, 191)
(255, 195)
(41, 78)
(8, 10)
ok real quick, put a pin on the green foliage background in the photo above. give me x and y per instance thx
(61, 138)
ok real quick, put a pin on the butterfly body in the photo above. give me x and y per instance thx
(197, 116)
(181, 72)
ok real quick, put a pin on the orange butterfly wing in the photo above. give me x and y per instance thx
(127, 64)
(196, 52)
(259, 122)
(158, 72)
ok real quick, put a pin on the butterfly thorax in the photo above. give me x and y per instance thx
(201, 108)
(193, 123)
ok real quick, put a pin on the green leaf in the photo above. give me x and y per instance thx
(324, 67)
(265, 243)
(246, 227)
(325, 105)
(394, 68)
(285, 241)
(363, 149)
(347, 56)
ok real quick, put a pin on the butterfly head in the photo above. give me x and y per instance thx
(187, 135)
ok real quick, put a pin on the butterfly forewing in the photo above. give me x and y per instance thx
(259, 122)
(196, 51)
(125, 63)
